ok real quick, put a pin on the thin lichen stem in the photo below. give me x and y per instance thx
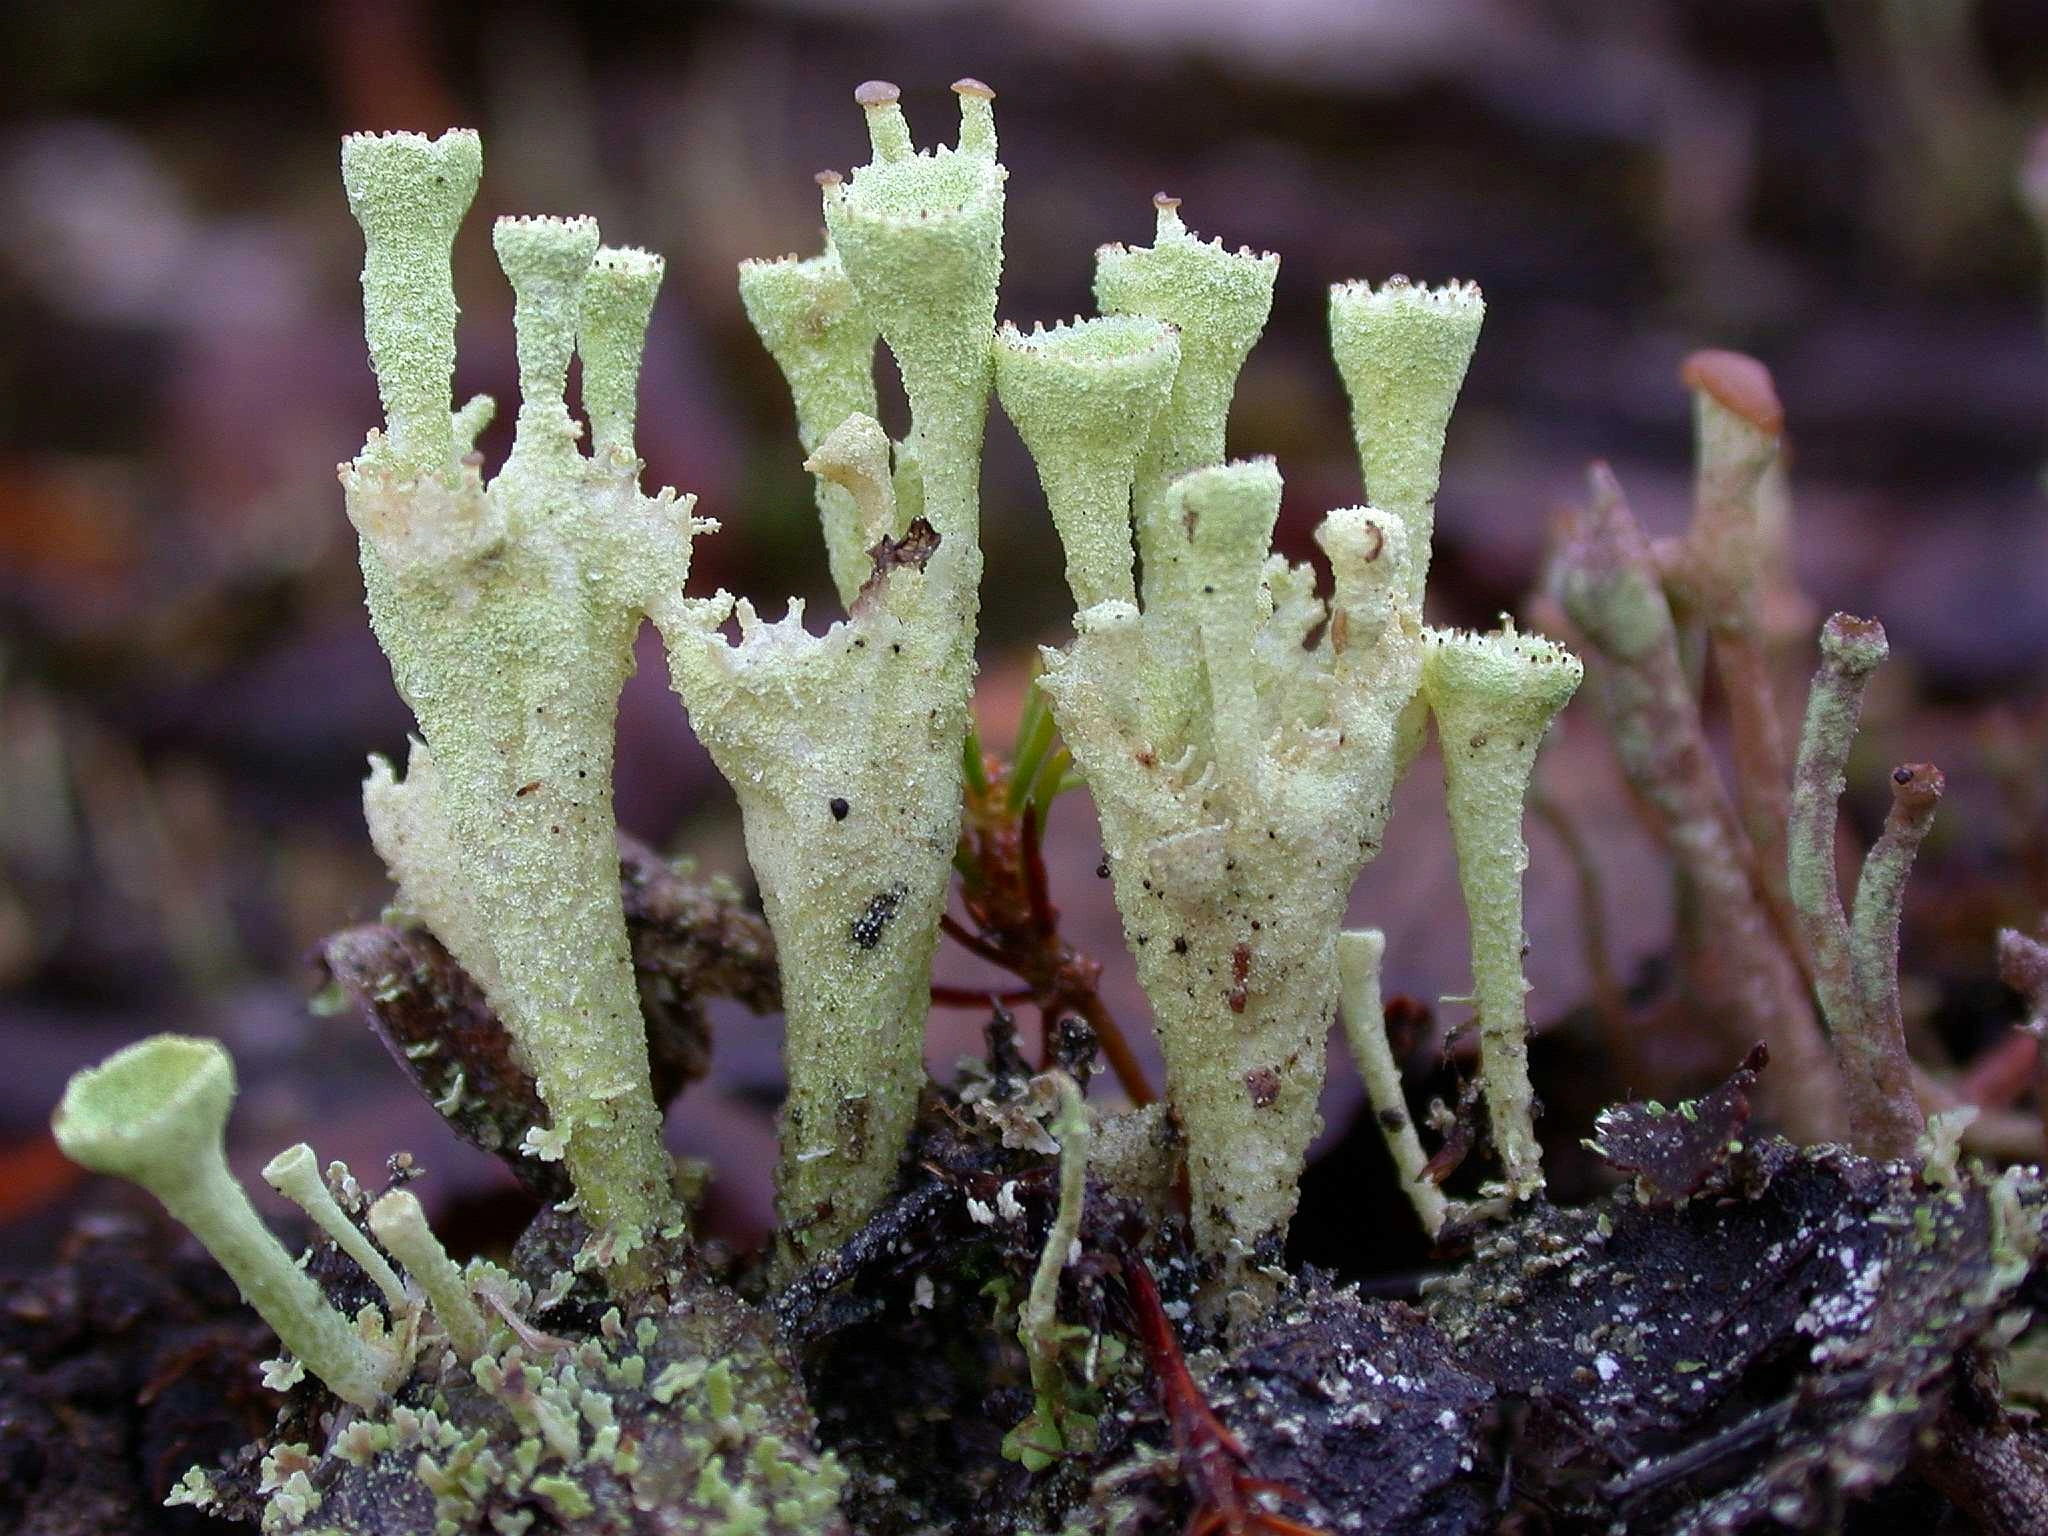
(1851, 650)
(1359, 953)
(1887, 1065)
(295, 1174)
(1038, 1323)
(401, 1226)
(1493, 697)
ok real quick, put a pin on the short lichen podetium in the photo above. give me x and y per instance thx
(1217, 300)
(1493, 696)
(1359, 953)
(508, 612)
(844, 748)
(1084, 397)
(805, 313)
(295, 1174)
(1233, 846)
(154, 1114)
(1402, 351)
(401, 1226)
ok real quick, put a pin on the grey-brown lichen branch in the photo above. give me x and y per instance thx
(1855, 961)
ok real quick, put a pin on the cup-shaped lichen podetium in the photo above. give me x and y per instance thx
(1232, 860)
(806, 315)
(508, 613)
(1084, 397)
(1402, 351)
(844, 752)
(1493, 696)
(154, 1114)
(1218, 301)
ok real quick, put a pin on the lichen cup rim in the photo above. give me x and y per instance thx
(148, 1110)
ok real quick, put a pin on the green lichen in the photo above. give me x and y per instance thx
(1493, 697)
(1403, 350)
(508, 612)
(155, 1114)
(844, 748)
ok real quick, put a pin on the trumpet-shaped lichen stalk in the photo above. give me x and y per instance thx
(1084, 397)
(844, 748)
(1493, 697)
(1233, 859)
(1402, 351)
(1218, 301)
(295, 1174)
(805, 313)
(508, 612)
(1365, 1025)
(401, 1226)
(154, 1114)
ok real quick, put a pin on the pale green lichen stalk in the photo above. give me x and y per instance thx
(401, 1226)
(1359, 954)
(1217, 301)
(1403, 350)
(155, 1114)
(295, 1174)
(844, 748)
(508, 612)
(1054, 1425)
(1493, 696)
(1233, 843)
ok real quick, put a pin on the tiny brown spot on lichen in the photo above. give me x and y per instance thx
(876, 93)
(1263, 1084)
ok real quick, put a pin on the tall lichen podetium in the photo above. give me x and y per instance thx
(1241, 773)
(1217, 301)
(844, 748)
(1856, 958)
(508, 611)
(1493, 696)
